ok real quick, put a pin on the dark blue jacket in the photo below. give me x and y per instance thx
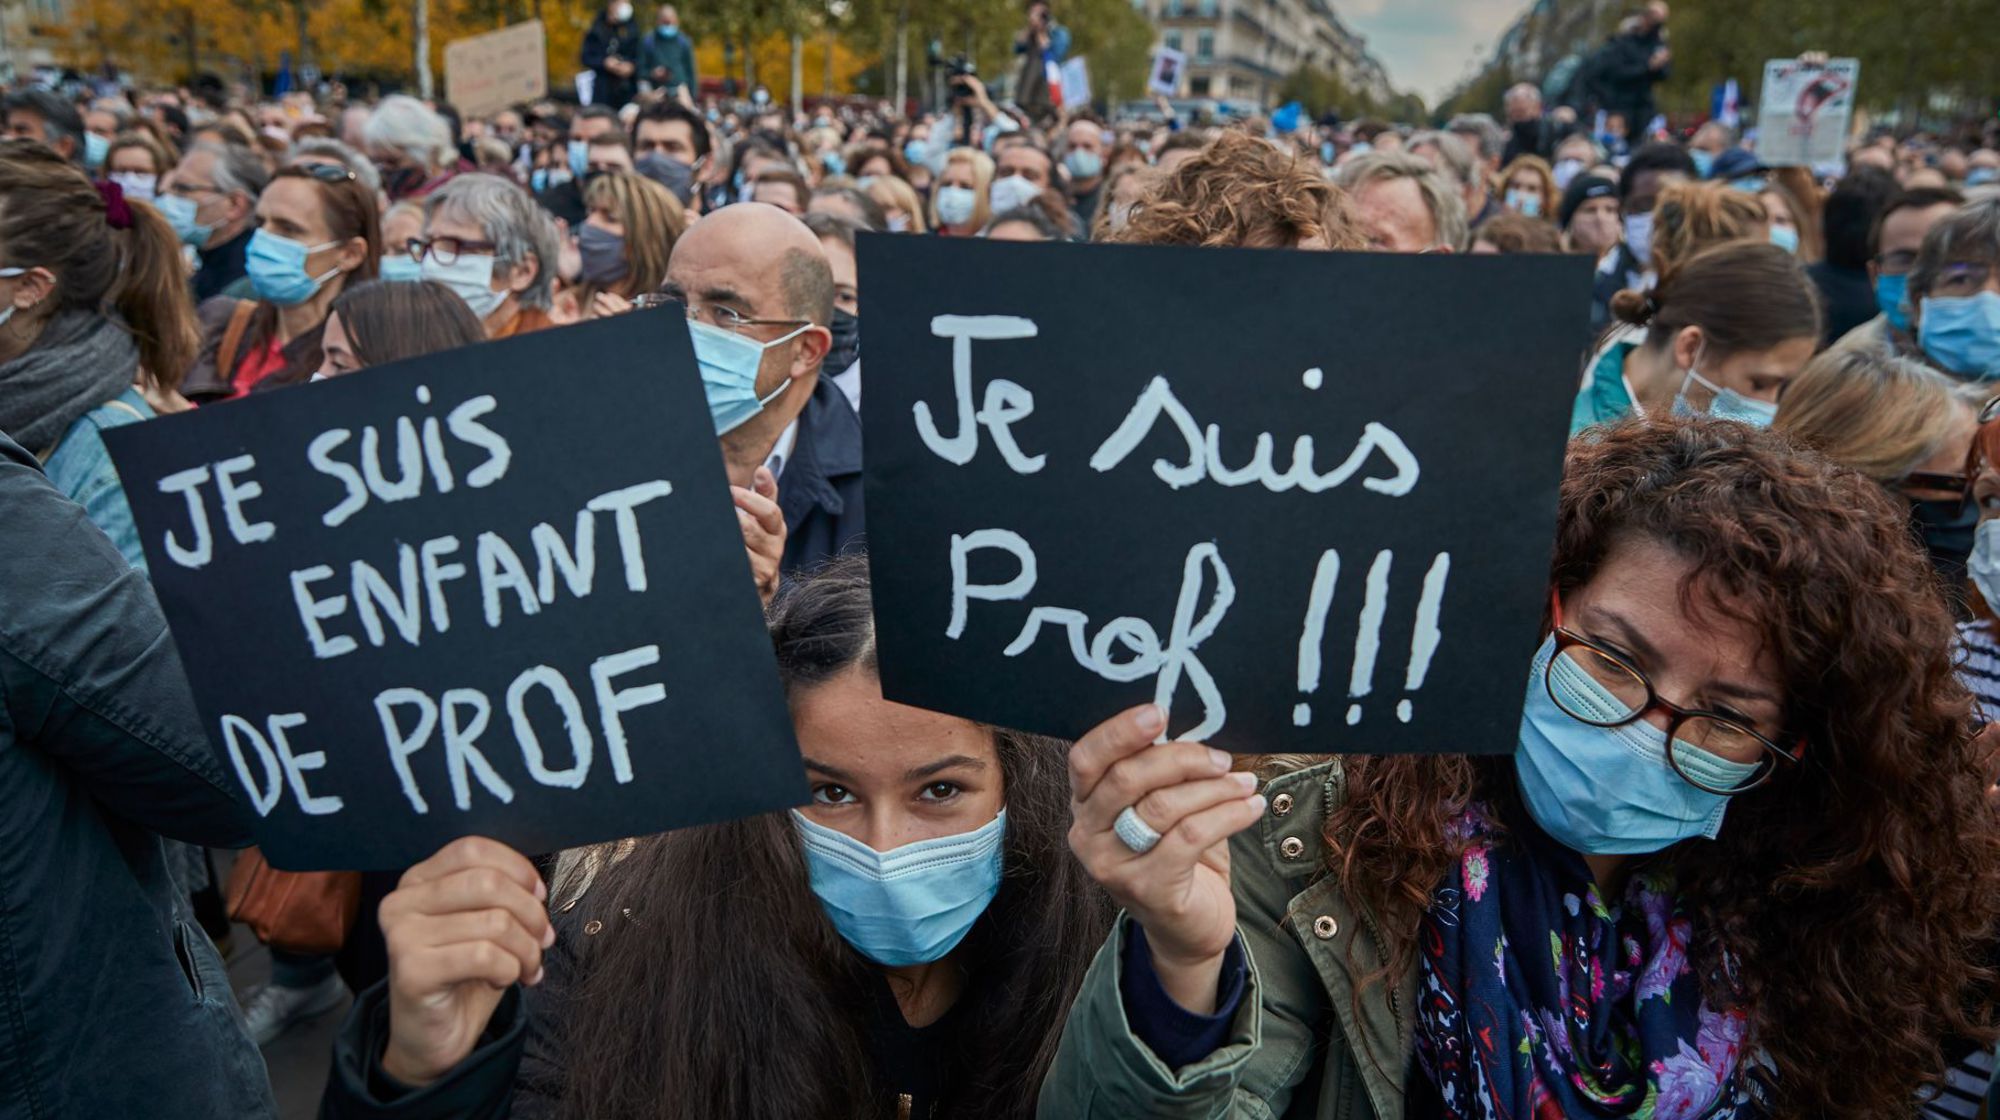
(112, 1002)
(820, 490)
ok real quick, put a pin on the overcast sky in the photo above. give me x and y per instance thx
(1428, 44)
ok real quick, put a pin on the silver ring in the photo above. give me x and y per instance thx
(1133, 831)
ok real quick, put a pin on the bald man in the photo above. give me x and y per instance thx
(753, 271)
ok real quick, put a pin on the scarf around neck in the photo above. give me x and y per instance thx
(81, 360)
(1539, 1001)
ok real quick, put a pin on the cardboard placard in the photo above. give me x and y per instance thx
(1805, 111)
(1076, 83)
(1164, 78)
(1305, 500)
(484, 74)
(458, 595)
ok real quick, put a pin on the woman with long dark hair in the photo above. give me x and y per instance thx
(903, 946)
(1742, 864)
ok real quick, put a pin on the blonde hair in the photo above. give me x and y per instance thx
(982, 179)
(1241, 190)
(1544, 175)
(895, 194)
(653, 220)
(1691, 217)
(1880, 415)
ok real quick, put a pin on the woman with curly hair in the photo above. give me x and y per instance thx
(1742, 863)
(1242, 191)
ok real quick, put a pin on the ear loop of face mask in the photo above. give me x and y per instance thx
(7, 313)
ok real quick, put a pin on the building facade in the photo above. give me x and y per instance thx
(1244, 49)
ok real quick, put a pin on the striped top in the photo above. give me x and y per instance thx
(1979, 665)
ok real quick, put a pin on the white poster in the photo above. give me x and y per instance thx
(1165, 78)
(1075, 84)
(1805, 111)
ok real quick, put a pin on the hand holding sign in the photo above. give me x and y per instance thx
(1294, 527)
(471, 602)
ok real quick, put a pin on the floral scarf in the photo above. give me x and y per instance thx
(1538, 1002)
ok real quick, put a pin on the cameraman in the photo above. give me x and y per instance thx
(1042, 46)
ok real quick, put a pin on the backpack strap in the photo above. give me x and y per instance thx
(232, 341)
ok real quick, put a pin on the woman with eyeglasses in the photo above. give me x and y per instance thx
(1954, 293)
(1741, 864)
(901, 947)
(318, 231)
(485, 239)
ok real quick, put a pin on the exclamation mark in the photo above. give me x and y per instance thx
(1368, 635)
(1425, 641)
(1314, 631)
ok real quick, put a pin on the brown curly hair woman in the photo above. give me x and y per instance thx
(1742, 864)
(1243, 191)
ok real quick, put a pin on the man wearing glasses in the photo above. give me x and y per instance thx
(1954, 293)
(758, 294)
(1892, 252)
(211, 201)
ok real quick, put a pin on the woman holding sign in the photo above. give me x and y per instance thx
(1743, 862)
(904, 946)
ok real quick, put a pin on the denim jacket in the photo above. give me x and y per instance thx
(1300, 1047)
(81, 468)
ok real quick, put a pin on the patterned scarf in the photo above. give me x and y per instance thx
(1540, 1003)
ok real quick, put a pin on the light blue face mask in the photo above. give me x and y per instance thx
(1962, 333)
(1786, 238)
(1525, 204)
(1724, 404)
(180, 214)
(729, 364)
(277, 268)
(401, 267)
(909, 905)
(1326, 152)
(95, 148)
(914, 151)
(1704, 162)
(834, 162)
(956, 205)
(1980, 176)
(1610, 790)
(1889, 294)
(1084, 165)
(579, 157)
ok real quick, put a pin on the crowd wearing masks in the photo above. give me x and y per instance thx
(1745, 861)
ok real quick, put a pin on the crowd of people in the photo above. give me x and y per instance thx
(1745, 861)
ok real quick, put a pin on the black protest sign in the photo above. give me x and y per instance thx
(498, 590)
(1304, 500)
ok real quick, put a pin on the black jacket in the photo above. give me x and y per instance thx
(112, 1002)
(820, 489)
(1848, 296)
(1624, 79)
(611, 40)
(222, 265)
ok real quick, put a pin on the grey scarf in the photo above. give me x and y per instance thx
(81, 360)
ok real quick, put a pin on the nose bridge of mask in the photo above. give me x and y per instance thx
(905, 860)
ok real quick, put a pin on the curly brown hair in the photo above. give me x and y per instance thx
(1858, 893)
(1242, 191)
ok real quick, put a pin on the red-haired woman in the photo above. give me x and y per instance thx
(1741, 864)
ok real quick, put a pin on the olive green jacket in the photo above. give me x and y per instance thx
(1298, 1047)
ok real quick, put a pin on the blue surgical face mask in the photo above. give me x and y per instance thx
(1704, 162)
(1889, 294)
(95, 148)
(277, 268)
(471, 276)
(955, 205)
(180, 214)
(1326, 152)
(1786, 238)
(1639, 236)
(909, 905)
(1724, 404)
(729, 363)
(1962, 333)
(670, 30)
(1983, 564)
(1525, 203)
(401, 266)
(142, 185)
(579, 157)
(834, 162)
(1610, 790)
(1980, 176)
(1084, 165)
(914, 151)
